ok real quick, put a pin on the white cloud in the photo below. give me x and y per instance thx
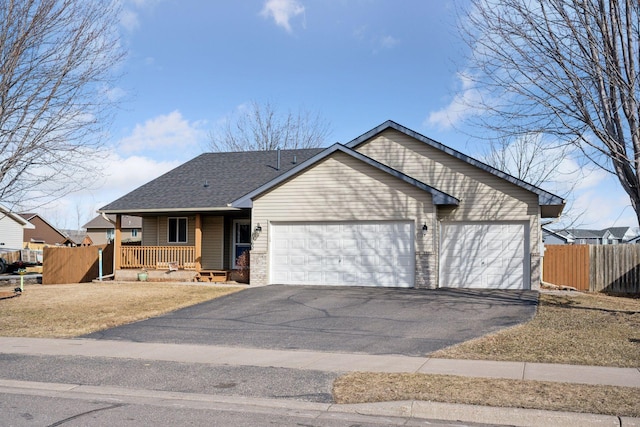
(282, 11)
(114, 93)
(388, 42)
(129, 20)
(120, 176)
(129, 17)
(164, 134)
(460, 106)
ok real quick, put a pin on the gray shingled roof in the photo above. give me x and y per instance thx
(127, 221)
(439, 197)
(618, 232)
(584, 233)
(209, 182)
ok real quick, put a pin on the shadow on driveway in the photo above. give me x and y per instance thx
(412, 322)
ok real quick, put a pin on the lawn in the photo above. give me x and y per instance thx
(361, 387)
(574, 328)
(63, 311)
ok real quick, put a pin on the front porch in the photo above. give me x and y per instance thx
(201, 249)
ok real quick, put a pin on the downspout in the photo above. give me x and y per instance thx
(104, 215)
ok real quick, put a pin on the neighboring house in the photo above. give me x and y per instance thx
(43, 233)
(390, 208)
(101, 231)
(556, 237)
(580, 236)
(76, 238)
(12, 229)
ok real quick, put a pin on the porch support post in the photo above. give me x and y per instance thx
(198, 242)
(117, 238)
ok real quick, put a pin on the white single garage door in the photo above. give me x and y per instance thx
(484, 255)
(342, 253)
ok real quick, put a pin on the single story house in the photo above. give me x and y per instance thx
(389, 208)
(12, 229)
(76, 238)
(582, 236)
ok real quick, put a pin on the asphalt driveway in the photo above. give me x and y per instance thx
(412, 322)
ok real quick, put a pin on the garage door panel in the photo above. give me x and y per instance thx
(354, 253)
(485, 255)
(403, 261)
(297, 260)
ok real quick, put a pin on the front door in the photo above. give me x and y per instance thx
(241, 239)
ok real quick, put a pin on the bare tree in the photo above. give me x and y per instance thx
(261, 127)
(567, 68)
(542, 163)
(57, 62)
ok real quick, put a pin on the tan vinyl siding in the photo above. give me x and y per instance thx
(212, 242)
(98, 236)
(149, 231)
(163, 231)
(483, 196)
(341, 188)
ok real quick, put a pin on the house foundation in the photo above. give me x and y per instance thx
(425, 271)
(131, 275)
(258, 269)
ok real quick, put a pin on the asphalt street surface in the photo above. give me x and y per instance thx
(412, 322)
(52, 411)
(248, 381)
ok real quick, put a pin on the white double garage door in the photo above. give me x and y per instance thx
(382, 253)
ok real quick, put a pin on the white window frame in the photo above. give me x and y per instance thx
(234, 244)
(186, 222)
(134, 232)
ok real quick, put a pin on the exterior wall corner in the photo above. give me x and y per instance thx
(536, 276)
(258, 268)
(426, 268)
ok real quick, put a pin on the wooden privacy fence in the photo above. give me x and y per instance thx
(567, 265)
(75, 265)
(594, 268)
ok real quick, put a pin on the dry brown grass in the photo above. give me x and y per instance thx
(377, 387)
(576, 328)
(62, 311)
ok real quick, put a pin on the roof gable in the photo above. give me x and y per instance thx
(439, 197)
(34, 218)
(544, 197)
(15, 217)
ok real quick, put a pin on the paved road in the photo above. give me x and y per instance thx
(247, 381)
(411, 322)
(46, 406)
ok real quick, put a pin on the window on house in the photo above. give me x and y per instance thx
(134, 232)
(177, 230)
(111, 233)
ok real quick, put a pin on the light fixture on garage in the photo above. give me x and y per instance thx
(255, 234)
(424, 229)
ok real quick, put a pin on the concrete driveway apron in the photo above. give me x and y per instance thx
(412, 322)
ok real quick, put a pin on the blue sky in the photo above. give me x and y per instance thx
(192, 64)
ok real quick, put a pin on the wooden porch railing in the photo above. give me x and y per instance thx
(158, 257)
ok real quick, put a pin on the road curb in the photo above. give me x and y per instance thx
(403, 409)
(486, 414)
